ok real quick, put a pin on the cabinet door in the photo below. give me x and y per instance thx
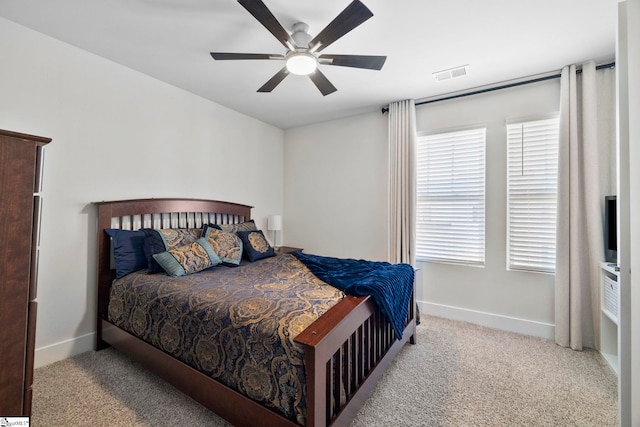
(17, 175)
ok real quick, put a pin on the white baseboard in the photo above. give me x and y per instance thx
(491, 320)
(63, 350)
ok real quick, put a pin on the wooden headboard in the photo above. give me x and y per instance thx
(155, 213)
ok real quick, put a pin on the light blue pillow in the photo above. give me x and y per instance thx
(188, 259)
(161, 240)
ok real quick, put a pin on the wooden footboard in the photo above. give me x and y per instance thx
(346, 350)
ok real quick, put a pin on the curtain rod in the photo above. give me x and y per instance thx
(505, 86)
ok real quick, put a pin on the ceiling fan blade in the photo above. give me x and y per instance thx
(260, 11)
(355, 14)
(220, 56)
(322, 83)
(274, 81)
(355, 61)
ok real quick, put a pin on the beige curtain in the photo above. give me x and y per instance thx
(402, 181)
(585, 175)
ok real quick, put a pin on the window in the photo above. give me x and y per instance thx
(450, 197)
(531, 195)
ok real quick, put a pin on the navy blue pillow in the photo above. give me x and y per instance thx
(255, 245)
(210, 225)
(128, 251)
(153, 244)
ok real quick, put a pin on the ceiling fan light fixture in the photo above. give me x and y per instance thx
(302, 56)
(301, 63)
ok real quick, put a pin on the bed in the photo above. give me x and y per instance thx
(345, 349)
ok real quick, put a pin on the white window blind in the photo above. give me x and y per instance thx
(532, 190)
(450, 202)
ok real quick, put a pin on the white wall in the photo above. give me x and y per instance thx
(340, 168)
(118, 134)
(513, 300)
(336, 187)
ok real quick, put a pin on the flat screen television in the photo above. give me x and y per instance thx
(610, 229)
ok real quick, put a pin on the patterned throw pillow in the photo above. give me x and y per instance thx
(255, 245)
(161, 240)
(188, 259)
(234, 228)
(227, 246)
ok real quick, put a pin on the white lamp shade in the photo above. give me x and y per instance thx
(274, 223)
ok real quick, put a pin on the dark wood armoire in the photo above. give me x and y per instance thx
(20, 184)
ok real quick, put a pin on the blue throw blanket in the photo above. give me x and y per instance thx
(390, 285)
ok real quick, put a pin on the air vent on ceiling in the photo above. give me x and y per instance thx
(460, 71)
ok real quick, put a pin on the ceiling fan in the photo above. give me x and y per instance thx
(303, 52)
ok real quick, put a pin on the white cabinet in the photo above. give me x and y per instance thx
(609, 303)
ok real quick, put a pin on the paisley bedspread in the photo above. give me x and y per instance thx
(235, 324)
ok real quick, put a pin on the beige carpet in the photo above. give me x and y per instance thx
(457, 375)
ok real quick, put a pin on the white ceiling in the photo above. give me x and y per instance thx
(170, 40)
